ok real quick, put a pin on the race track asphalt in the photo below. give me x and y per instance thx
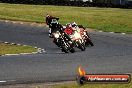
(112, 53)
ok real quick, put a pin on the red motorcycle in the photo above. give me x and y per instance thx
(76, 37)
(78, 40)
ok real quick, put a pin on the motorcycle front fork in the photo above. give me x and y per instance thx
(56, 42)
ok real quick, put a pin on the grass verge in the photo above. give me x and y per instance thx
(105, 19)
(15, 49)
(68, 85)
(75, 85)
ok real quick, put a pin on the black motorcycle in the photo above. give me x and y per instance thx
(61, 39)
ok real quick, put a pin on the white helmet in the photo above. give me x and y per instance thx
(68, 25)
(74, 24)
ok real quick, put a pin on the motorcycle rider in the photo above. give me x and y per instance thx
(49, 19)
(83, 32)
(48, 22)
(55, 26)
(79, 28)
(68, 29)
(75, 26)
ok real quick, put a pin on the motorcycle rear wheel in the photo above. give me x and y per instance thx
(81, 46)
(72, 50)
(89, 42)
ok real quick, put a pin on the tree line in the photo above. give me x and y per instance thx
(41, 2)
(94, 3)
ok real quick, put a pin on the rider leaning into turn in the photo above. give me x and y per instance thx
(58, 26)
(48, 22)
(70, 28)
(49, 19)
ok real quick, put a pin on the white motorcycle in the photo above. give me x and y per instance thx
(78, 40)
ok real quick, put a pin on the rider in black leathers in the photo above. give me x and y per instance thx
(55, 26)
(48, 22)
(58, 27)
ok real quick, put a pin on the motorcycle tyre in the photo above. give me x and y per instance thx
(64, 49)
(81, 46)
(72, 50)
(89, 42)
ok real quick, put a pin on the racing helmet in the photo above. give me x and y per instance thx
(48, 15)
(54, 21)
(73, 24)
(68, 25)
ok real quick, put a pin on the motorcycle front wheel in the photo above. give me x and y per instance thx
(64, 49)
(72, 50)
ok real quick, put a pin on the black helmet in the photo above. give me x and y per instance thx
(54, 21)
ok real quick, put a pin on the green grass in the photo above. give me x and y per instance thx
(106, 19)
(75, 85)
(15, 49)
